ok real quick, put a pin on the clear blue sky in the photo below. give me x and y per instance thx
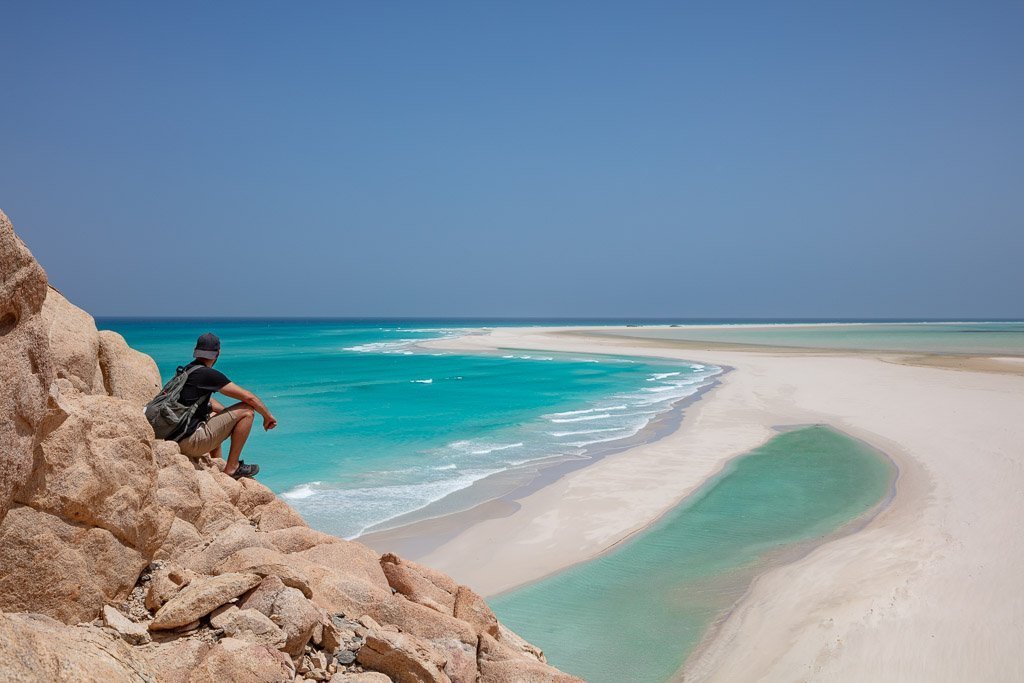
(763, 159)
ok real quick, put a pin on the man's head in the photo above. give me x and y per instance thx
(207, 348)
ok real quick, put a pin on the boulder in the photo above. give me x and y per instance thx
(349, 559)
(34, 647)
(337, 592)
(237, 661)
(510, 639)
(249, 625)
(297, 617)
(178, 490)
(408, 579)
(216, 517)
(403, 657)
(175, 660)
(26, 367)
(74, 343)
(231, 487)
(262, 597)
(131, 632)
(266, 562)
(252, 495)
(275, 514)
(422, 621)
(295, 539)
(471, 608)
(183, 540)
(200, 597)
(94, 467)
(361, 677)
(63, 570)
(499, 663)
(240, 534)
(460, 659)
(164, 584)
(126, 373)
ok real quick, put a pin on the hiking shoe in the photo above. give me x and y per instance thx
(245, 470)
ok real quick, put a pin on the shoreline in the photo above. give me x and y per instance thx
(424, 534)
(888, 586)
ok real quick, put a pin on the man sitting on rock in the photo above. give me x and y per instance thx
(212, 422)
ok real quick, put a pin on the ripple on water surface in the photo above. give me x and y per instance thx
(636, 613)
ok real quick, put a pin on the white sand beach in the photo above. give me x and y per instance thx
(930, 589)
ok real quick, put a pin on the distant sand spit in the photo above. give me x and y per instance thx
(930, 589)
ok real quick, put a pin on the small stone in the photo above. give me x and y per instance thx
(131, 632)
(345, 657)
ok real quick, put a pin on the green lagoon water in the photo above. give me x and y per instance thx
(636, 613)
(982, 338)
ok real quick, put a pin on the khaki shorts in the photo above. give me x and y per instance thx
(210, 434)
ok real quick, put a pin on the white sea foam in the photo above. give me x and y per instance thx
(585, 431)
(301, 491)
(422, 381)
(569, 413)
(662, 375)
(581, 418)
(500, 447)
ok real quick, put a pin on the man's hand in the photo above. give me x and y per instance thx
(269, 423)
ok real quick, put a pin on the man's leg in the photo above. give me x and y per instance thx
(239, 434)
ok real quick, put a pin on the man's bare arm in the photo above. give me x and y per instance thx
(234, 391)
(216, 406)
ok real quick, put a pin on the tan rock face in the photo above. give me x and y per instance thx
(62, 570)
(200, 597)
(26, 367)
(95, 467)
(74, 343)
(126, 373)
(36, 648)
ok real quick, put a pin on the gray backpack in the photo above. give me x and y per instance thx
(168, 416)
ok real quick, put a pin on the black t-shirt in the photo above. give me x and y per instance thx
(201, 383)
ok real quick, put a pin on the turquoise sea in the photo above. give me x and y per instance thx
(373, 426)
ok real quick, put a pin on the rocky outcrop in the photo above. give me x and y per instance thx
(26, 371)
(172, 570)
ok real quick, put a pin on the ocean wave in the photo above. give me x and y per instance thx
(499, 447)
(662, 375)
(301, 491)
(422, 381)
(580, 432)
(586, 411)
(581, 418)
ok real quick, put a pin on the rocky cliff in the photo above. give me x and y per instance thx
(123, 560)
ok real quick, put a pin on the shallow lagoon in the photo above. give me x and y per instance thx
(638, 611)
